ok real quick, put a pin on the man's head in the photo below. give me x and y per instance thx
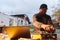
(43, 8)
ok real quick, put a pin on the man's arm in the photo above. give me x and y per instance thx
(50, 21)
(35, 22)
(51, 25)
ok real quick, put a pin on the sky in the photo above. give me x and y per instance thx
(29, 7)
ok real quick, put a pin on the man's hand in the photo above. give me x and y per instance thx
(52, 29)
(45, 27)
(48, 28)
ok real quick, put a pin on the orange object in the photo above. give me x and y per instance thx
(18, 31)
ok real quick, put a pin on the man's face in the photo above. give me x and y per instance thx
(43, 10)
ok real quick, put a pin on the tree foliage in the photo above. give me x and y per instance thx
(57, 14)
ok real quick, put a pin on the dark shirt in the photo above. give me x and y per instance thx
(43, 18)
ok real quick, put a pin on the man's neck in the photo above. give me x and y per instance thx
(42, 13)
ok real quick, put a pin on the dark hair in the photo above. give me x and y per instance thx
(43, 6)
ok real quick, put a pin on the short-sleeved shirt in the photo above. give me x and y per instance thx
(43, 18)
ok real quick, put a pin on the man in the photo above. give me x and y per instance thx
(42, 20)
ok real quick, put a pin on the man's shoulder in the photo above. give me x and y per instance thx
(35, 14)
(48, 15)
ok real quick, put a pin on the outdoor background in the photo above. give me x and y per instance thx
(31, 7)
